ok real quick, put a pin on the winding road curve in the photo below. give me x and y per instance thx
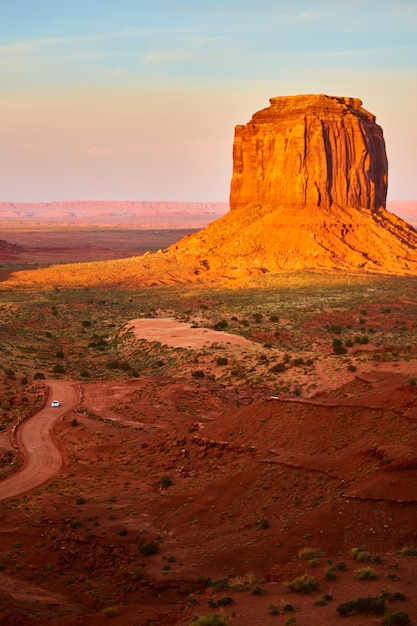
(42, 458)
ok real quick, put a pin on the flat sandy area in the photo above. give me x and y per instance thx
(171, 332)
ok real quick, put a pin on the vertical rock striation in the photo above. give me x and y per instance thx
(310, 151)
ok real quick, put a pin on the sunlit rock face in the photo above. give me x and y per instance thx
(310, 151)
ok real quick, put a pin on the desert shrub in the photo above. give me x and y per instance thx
(274, 318)
(224, 601)
(39, 376)
(288, 608)
(263, 523)
(393, 595)
(396, 618)
(341, 566)
(60, 354)
(75, 524)
(209, 620)
(258, 591)
(324, 599)
(408, 551)
(74, 422)
(352, 368)
(166, 480)
(110, 611)
(80, 500)
(221, 325)
(86, 323)
(147, 548)
(297, 361)
(222, 360)
(360, 554)
(363, 556)
(330, 573)
(302, 584)
(24, 380)
(123, 532)
(197, 374)
(365, 573)
(313, 562)
(58, 369)
(273, 609)
(369, 605)
(278, 368)
(219, 583)
(308, 553)
(338, 347)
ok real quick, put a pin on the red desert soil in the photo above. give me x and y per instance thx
(224, 490)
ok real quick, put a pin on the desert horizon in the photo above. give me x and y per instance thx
(208, 408)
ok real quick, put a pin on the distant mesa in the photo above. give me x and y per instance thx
(308, 191)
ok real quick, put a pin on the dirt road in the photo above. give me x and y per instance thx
(42, 458)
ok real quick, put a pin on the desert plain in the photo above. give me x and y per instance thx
(212, 445)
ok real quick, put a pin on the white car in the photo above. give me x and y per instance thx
(55, 403)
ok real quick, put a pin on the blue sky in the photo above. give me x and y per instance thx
(138, 99)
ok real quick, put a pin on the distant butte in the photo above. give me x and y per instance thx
(308, 191)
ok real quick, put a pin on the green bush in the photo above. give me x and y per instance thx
(338, 347)
(369, 605)
(222, 360)
(166, 480)
(147, 548)
(396, 618)
(308, 553)
(302, 584)
(408, 551)
(365, 573)
(224, 601)
(209, 620)
(110, 611)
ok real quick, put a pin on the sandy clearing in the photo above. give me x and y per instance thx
(171, 332)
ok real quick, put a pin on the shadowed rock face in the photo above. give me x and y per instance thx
(310, 150)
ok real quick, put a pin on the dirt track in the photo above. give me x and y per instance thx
(42, 458)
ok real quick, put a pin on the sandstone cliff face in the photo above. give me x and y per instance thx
(310, 150)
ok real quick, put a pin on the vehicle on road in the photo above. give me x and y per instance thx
(55, 403)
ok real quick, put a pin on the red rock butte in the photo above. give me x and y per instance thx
(310, 151)
(308, 191)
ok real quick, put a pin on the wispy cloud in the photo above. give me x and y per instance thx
(98, 151)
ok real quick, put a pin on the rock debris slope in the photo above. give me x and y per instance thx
(308, 191)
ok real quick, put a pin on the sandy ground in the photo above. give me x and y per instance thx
(176, 334)
(334, 471)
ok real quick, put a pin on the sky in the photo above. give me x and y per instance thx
(138, 99)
